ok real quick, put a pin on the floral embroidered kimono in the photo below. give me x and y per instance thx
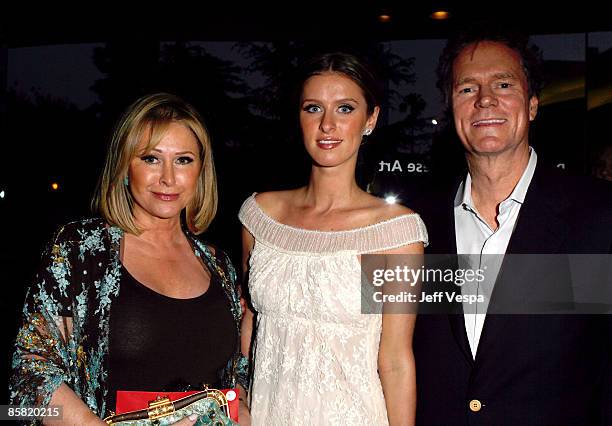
(65, 329)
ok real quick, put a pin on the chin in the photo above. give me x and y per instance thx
(325, 162)
(164, 213)
(331, 159)
(489, 146)
(328, 163)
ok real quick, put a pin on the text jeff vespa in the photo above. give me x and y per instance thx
(407, 276)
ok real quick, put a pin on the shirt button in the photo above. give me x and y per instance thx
(475, 405)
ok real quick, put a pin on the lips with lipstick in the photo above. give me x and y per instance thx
(328, 143)
(489, 122)
(165, 197)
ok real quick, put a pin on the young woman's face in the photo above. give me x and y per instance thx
(163, 181)
(333, 118)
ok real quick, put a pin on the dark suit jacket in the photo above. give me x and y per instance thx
(529, 369)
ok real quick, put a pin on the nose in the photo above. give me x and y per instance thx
(486, 98)
(328, 123)
(167, 174)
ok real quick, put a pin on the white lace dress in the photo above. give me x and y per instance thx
(315, 354)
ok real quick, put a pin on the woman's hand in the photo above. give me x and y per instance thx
(187, 421)
(244, 414)
(245, 419)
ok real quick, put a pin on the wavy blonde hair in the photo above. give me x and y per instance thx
(149, 117)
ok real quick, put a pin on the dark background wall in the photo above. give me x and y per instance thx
(65, 81)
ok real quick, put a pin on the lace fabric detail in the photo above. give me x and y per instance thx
(315, 354)
(386, 235)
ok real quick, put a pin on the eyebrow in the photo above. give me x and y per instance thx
(500, 75)
(338, 100)
(504, 75)
(176, 153)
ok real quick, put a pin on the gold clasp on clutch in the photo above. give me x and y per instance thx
(160, 407)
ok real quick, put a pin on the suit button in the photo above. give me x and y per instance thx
(475, 405)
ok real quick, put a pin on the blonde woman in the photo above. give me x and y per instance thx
(134, 300)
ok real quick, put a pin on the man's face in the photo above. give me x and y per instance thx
(491, 104)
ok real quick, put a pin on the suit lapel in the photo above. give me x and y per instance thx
(540, 228)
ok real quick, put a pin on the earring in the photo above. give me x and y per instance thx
(367, 132)
(126, 181)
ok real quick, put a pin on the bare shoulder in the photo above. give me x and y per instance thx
(275, 203)
(382, 210)
(394, 210)
(270, 198)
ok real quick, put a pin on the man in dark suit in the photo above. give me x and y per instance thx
(484, 368)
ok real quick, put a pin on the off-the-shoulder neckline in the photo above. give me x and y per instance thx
(320, 232)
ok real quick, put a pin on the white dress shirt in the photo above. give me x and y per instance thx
(475, 238)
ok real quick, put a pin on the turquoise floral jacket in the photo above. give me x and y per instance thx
(64, 334)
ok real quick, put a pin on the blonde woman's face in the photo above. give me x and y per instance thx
(163, 180)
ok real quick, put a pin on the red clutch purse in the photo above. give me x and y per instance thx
(137, 400)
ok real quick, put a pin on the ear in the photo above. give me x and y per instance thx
(371, 121)
(533, 107)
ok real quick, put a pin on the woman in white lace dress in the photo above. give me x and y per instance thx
(317, 359)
